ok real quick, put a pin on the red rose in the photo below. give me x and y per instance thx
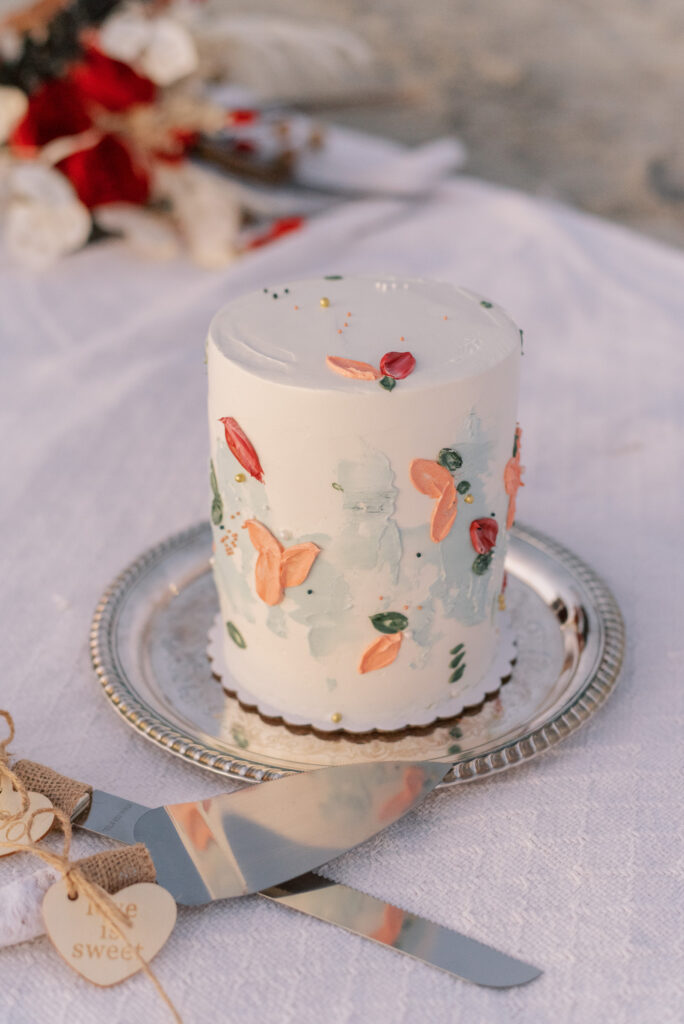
(483, 533)
(397, 365)
(55, 109)
(105, 173)
(110, 83)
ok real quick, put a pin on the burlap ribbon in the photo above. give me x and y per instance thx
(97, 877)
(63, 792)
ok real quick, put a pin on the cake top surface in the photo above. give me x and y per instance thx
(310, 333)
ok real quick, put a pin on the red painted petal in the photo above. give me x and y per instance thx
(242, 448)
(483, 534)
(397, 364)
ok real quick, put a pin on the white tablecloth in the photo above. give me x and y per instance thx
(573, 861)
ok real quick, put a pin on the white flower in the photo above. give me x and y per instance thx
(13, 106)
(124, 35)
(146, 232)
(159, 48)
(207, 210)
(170, 53)
(44, 219)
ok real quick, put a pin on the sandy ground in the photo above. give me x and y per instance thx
(571, 99)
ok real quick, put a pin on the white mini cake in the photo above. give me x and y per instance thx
(364, 465)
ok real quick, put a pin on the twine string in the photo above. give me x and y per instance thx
(77, 883)
(7, 776)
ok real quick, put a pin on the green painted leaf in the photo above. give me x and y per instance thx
(487, 305)
(451, 459)
(240, 737)
(338, 487)
(455, 676)
(213, 481)
(463, 487)
(389, 622)
(522, 339)
(456, 732)
(454, 749)
(332, 277)
(235, 635)
(457, 648)
(388, 383)
(482, 563)
(216, 511)
(455, 662)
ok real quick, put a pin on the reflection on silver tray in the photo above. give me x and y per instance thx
(149, 649)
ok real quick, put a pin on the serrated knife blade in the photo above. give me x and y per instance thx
(355, 911)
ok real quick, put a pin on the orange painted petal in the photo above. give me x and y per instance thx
(444, 513)
(428, 477)
(296, 562)
(510, 517)
(267, 577)
(381, 652)
(261, 537)
(352, 368)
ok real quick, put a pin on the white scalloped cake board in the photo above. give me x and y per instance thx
(488, 684)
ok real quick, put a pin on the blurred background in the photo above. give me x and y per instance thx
(133, 103)
(574, 100)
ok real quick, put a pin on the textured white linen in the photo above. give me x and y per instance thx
(573, 861)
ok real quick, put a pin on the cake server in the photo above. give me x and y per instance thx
(334, 902)
(237, 843)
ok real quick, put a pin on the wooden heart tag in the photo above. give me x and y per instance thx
(90, 944)
(15, 831)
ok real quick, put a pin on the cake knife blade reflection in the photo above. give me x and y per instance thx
(338, 904)
(238, 843)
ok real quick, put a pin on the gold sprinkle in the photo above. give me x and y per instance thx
(502, 603)
(468, 499)
(296, 307)
(339, 330)
(402, 338)
(325, 302)
(240, 478)
(446, 317)
(336, 717)
(419, 607)
(406, 607)
(348, 314)
(346, 325)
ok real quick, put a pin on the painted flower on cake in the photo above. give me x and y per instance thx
(512, 477)
(242, 448)
(394, 366)
(483, 534)
(435, 481)
(383, 651)
(352, 368)
(277, 567)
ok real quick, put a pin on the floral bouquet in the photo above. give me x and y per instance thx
(108, 126)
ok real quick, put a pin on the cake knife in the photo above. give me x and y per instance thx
(238, 843)
(319, 897)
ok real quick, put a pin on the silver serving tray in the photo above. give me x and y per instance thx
(149, 649)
